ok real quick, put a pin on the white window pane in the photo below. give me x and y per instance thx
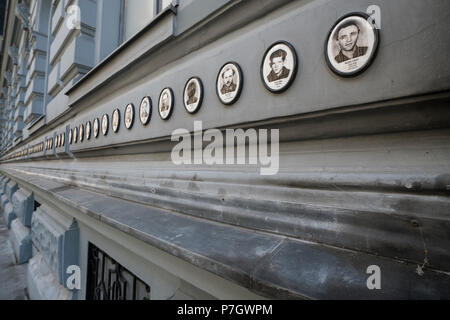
(165, 3)
(138, 13)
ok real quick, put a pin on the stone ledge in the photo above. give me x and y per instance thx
(267, 264)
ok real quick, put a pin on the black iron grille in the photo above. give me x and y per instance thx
(109, 280)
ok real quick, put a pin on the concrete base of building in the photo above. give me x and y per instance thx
(4, 201)
(42, 284)
(12, 275)
(21, 241)
(9, 215)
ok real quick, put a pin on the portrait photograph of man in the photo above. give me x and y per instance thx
(165, 102)
(279, 66)
(347, 36)
(279, 71)
(191, 93)
(229, 84)
(351, 45)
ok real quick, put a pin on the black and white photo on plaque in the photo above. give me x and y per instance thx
(96, 126)
(279, 66)
(193, 94)
(88, 130)
(105, 124)
(115, 121)
(70, 136)
(81, 130)
(352, 44)
(129, 116)
(165, 104)
(229, 83)
(75, 135)
(145, 110)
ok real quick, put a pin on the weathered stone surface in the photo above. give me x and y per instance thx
(9, 214)
(11, 187)
(323, 272)
(58, 244)
(41, 282)
(4, 201)
(12, 275)
(21, 241)
(23, 203)
(3, 185)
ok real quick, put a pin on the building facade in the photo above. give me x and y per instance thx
(334, 182)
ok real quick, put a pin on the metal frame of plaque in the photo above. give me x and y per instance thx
(229, 86)
(75, 134)
(279, 66)
(359, 36)
(167, 105)
(193, 95)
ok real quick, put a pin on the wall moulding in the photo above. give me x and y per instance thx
(401, 115)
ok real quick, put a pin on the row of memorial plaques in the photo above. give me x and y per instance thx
(350, 48)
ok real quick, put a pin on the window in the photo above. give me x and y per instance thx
(165, 3)
(138, 13)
